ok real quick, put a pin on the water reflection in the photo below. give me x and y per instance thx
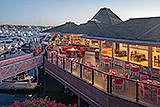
(49, 87)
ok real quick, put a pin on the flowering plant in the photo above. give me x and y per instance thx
(40, 102)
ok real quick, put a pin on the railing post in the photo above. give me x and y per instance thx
(57, 59)
(52, 56)
(63, 64)
(92, 77)
(80, 70)
(137, 92)
(108, 83)
(46, 55)
(71, 66)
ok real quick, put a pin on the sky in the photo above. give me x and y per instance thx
(57, 12)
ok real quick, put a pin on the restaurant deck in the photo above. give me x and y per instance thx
(126, 92)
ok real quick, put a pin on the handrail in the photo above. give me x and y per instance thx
(20, 61)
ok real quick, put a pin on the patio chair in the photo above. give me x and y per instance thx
(118, 82)
(89, 70)
(106, 56)
(60, 50)
(56, 51)
(113, 71)
(80, 53)
(135, 71)
(143, 88)
(88, 62)
(140, 68)
(126, 62)
(124, 69)
(101, 61)
(104, 78)
(157, 93)
(144, 77)
(113, 62)
(106, 61)
(74, 64)
(126, 81)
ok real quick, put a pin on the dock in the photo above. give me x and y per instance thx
(10, 86)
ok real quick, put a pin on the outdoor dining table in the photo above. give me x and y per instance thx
(117, 75)
(130, 66)
(72, 50)
(154, 82)
(88, 65)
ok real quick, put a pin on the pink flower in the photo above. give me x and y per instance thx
(75, 105)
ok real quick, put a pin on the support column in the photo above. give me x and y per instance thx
(150, 61)
(113, 49)
(79, 101)
(37, 75)
(100, 47)
(128, 52)
(149, 57)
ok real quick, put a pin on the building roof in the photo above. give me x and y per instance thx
(61, 28)
(143, 29)
(105, 15)
(89, 28)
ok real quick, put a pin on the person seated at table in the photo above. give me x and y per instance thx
(131, 55)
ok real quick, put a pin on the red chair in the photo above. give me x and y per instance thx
(135, 71)
(143, 88)
(106, 61)
(88, 62)
(127, 62)
(89, 70)
(80, 53)
(97, 66)
(105, 79)
(74, 64)
(144, 77)
(140, 68)
(113, 61)
(106, 56)
(124, 69)
(56, 51)
(101, 61)
(60, 50)
(118, 82)
(127, 77)
(157, 93)
(113, 71)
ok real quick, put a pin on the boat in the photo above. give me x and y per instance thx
(13, 50)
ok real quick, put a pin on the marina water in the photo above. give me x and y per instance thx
(49, 87)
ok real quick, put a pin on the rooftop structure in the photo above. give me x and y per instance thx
(88, 28)
(141, 29)
(105, 15)
(63, 27)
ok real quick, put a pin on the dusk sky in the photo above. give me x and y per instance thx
(56, 12)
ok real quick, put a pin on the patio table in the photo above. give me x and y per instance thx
(70, 51)
(154, 82)
(130, 66)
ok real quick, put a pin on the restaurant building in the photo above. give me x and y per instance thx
(135, 40)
